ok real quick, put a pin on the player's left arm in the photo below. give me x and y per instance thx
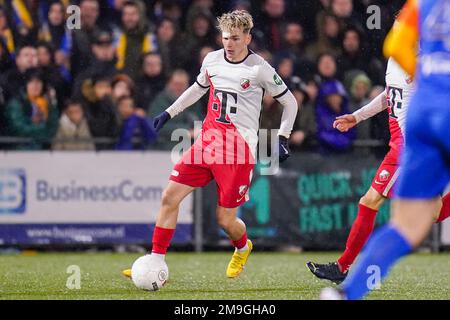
(401, 42)
(275, 86)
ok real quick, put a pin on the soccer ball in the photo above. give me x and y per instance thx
(149, 273)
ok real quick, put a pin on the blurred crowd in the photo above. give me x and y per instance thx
(98, 86)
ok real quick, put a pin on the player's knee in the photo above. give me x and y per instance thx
(169, 200)
(223, 221)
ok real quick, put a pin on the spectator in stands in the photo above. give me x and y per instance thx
(200, 32)
(103, 61)
(51, 72)
(55, 32)
(354, 57)
(343, 10)
(359, 94)
(326, 67)
(285, 69)
(332, 102)
(178, 82)
(73, 130)
(169, 45)
(99, 108)
(328, 29)
(303, 135)
(270, 117)
(134, 39)
(13, 80)
(33, 112)
(83, 38)
(152, 80)
(122, 86)
(26, 20)
(271, 24)
(6, 32)
(136, 132)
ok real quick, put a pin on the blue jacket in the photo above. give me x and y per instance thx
(329, 138)
(139, 127)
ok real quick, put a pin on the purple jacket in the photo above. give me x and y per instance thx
(329, 138)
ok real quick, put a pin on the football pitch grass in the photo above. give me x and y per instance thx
(276, 276)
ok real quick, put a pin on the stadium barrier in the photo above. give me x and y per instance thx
(49, 198)
(310, 204)
(110, 198)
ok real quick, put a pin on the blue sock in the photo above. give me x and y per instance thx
(382, 250)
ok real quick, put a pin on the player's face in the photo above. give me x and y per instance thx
(235, 44)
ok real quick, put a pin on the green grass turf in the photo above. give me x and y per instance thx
(202, 276)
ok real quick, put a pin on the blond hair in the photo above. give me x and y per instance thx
(238, 19)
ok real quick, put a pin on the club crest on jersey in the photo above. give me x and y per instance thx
(384, 175)
(245, 83)
(242, 190)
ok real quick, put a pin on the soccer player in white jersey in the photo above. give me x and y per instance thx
(399, 89)
(225, 151)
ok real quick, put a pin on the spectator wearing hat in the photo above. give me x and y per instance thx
(200, 32)
(103, 61)
(152, 80)
(331, 102)
(134, 38)
(33, 112)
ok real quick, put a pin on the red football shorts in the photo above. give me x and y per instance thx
(232, 180)
(387, 174)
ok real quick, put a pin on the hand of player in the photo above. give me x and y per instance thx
(161, 120)
(283, 148)
(345, 122)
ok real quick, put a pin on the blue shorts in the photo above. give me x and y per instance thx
(425, 162)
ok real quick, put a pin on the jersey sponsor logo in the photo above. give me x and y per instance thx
(221, 104)
(175, 173)
(277, 80)
(245, 83)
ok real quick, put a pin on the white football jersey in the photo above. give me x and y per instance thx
(399, 89)
(236, 93)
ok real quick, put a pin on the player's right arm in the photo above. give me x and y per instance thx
(187, 99)
(401, 42)
(347, 121)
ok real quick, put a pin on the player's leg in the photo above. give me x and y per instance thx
(185, 177)
(425, 172)
(235, 229)
(168, 214)
(233, 183)
(167, 219)
(362, 227)
(360, 232)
